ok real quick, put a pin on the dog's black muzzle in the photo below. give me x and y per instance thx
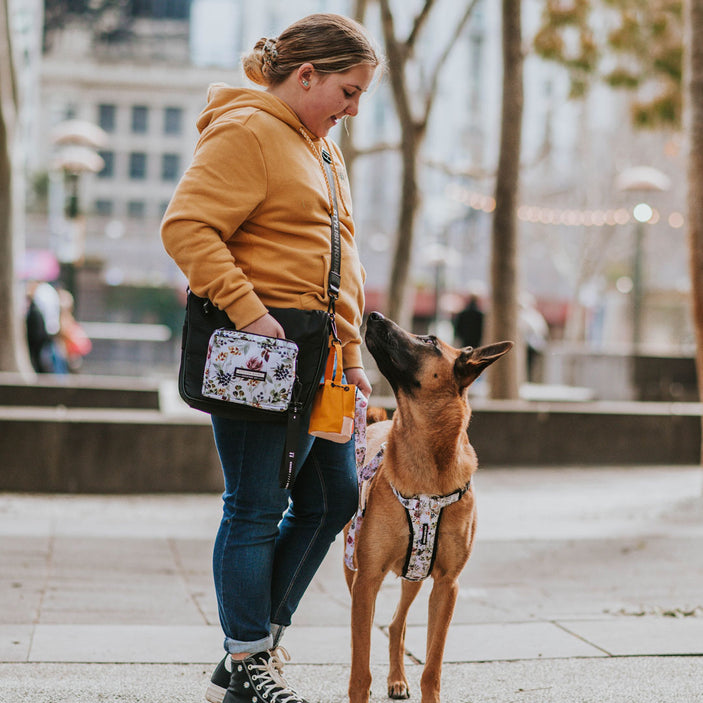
(394, 351)
(381, 334)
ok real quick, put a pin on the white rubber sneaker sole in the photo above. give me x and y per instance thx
(215, 693)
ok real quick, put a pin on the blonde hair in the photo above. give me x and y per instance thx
(331, 43)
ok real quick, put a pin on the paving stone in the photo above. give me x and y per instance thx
(646, 635)
(15, 641)
(124, 643)
(503, 642)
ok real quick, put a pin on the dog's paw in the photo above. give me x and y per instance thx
(398, 690)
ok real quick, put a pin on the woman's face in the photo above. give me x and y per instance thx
(329, 97)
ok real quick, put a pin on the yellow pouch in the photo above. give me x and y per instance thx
(332, 414)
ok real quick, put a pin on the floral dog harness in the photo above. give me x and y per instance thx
(423, 511)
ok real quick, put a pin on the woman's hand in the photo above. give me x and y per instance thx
(357, 376)
(267, 325)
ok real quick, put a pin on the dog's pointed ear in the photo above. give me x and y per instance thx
(471, 362)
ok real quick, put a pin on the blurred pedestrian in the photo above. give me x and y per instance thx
(468, 324)
(76, 343)
(535, 332)
(43, 325)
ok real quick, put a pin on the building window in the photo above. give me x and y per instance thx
(103, 208)
(140, 119)
(108, 158)
(136, 209)
(173, 120)
(137, 165)
(169, 167)
(161, 9)
(106, 117)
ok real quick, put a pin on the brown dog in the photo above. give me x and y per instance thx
(426, 457)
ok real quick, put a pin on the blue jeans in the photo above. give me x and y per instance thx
(271, 541)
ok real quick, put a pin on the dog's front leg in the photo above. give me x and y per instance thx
(397, 681)
(364, 591)
(441, 608)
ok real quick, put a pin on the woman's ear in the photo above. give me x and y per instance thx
(304, 74)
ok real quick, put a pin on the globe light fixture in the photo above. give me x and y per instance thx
(640, 180)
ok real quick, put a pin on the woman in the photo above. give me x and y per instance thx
(249, 225)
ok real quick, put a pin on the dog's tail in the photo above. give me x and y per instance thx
(375, 415)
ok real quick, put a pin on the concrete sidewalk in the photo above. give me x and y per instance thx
(585, 585)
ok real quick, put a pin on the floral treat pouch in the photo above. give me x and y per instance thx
(250, 369)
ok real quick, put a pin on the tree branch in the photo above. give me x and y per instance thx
(379, 148)
(396, 64)
(476, 174)
(418, 24)
(434, 80)
(346, 142)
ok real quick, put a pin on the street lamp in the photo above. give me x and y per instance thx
(641, 180)
(76, 143)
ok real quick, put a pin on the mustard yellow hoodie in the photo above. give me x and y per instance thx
(249, 223)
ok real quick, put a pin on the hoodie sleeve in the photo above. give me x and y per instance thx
(223, 186)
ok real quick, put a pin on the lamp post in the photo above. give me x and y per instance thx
(76, 143)
(640, 180)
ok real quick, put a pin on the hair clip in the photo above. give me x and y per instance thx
(270, 52)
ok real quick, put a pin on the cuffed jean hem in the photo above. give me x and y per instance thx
(237, 647)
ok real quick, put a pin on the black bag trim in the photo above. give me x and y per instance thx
(309, 329)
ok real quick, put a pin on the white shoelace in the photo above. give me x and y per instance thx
(272, 683)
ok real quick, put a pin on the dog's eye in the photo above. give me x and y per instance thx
(429, 339)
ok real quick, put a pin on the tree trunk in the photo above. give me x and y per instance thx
(694, 128)
(400, 304)
(10, 339)
(346, 141)
(413, 129)
(504, 260)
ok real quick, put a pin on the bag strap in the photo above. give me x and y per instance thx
(335, 354)
(286, 474)
(288, 463)
(334, 279)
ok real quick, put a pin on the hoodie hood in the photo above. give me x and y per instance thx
(223, 99)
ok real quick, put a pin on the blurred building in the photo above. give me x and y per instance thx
(142, 76)
(144, 92)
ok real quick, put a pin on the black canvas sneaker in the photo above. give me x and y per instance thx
(256, 679)
(219, 681)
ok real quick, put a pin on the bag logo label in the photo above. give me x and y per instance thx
(250, 374)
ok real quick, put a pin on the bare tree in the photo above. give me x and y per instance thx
(504, 259)
(694, 127)
(10, 350)
(346, 143)
(413, 128)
